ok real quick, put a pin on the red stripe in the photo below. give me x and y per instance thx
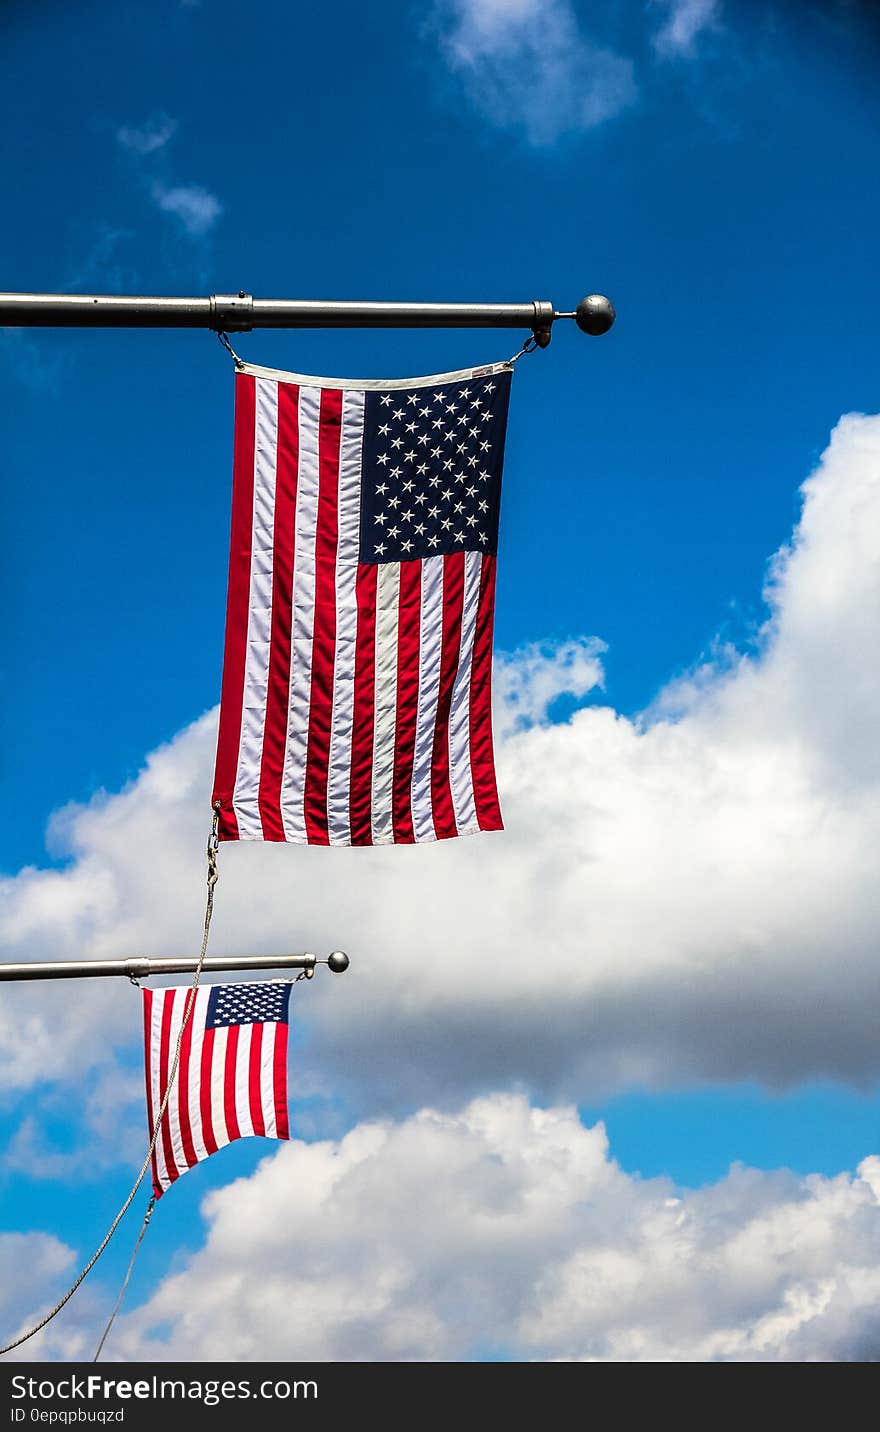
(148, 1045)
(453, 605)
(364, 700)
(164, 1052)
(189, 1150)
(408, 636)
(324, 634)
(278, 687)
(279, 1081)
(237, 603)
(208, 1136)
(482, 754)
(229, 1111)
(255, 1097)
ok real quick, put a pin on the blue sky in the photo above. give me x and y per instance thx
(709, 165)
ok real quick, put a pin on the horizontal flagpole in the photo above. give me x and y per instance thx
(141, 968)
(241, 312)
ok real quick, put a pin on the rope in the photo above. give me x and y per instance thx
(144, 1226)
(224, 339)
(213, 843)
(528, 347)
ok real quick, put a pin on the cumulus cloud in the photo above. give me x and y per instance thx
(511, 1227)
(149, 137)
(527, 65)
(195, 208)
(688, 896)
(685, 21)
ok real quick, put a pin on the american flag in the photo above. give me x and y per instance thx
(356, 701)
(232, 1076)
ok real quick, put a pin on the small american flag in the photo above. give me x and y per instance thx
(232, 1076)
(356, 702)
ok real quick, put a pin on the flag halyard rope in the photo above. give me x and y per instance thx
(213, 846)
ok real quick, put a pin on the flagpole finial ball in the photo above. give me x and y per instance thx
(594, 314)
(338, 962)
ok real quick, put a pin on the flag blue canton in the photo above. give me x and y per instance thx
(248, 1004)
(431, 478)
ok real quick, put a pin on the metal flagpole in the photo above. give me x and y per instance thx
(141, 968)
(241, 312)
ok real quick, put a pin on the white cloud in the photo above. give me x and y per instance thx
(509, 1227)
(686, 20)
(196, 208)
(153, 135)
(526, 65)
(693, 896)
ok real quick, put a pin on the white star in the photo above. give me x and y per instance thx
(398, 413)
(471, 521)
(451, 407)
(397, 442)
(448, 464)
(420, 527)
(433, 541)
(485, 416)
(490, 387)
(463, 419)
(433, 511)
(438, 397)
(423, 438)
(383, 457)
(484, 446)
(396, 471)
(476, 403)
(410, 427)
(408, 485)
(447, 494)
(464, 393)
(407, 546)
(386, 399)
(462, 447)
(385, 429)
(434, 481)
(475, 432)
(472, 462)
(459, 507)
(483, 537)
(420, 498)
(447, 522)
(407, 516)
(459, 536)
(424, 412)
(394, 501)
(381, 489)
(484, 506)
(413, 398)
(435, 452)
(381, 517)
(409, 457)
(438, 423)
(380, 549)
(393, 531)
(422, 467)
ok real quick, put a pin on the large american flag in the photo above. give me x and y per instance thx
(356, 702)
(232, 1076)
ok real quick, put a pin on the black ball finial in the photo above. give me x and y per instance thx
(594, 314)
(338, 962)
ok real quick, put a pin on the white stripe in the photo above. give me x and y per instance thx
(374, 385)
(199, 1017)
(293, 782)
(430, 658)
(256, 677)
(339, 774)
(159, 997)
(217, 1077)
(267, 1079)
(178, 999)
(460, 775)
(242, 1079)
(385, 711)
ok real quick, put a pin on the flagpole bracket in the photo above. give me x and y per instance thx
(232, 312)
(542, 327)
